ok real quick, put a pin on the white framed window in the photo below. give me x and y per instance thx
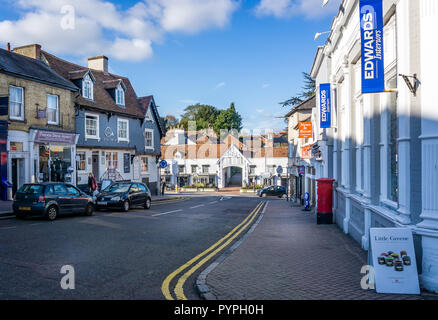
(81, 163)
(144, 164)
(120, 95)
(91, 126)
(16, 103)
(149, 139)
(112, 159)
(123, 130)
(87, 88)
(52, 109)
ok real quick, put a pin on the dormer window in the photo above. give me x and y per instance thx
(120, 95)
(87, 87)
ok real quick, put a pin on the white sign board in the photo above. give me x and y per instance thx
(395, 266)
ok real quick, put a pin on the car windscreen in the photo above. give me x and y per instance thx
(31, 189)
(118, 187)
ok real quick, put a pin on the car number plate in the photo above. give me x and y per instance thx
(102, 203)
(25, 208)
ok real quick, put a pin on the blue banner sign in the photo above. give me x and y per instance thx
(371, 27)
(325, 105)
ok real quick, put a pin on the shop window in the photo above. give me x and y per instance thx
(16, 103)
(92, 126)
(123, 130)
(81, 164)
(112, 160)
(393, 143)
(52, 109)
(144, 164)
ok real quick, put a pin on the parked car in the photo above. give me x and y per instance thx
(275, 191)
(50, 200)
(124, 195)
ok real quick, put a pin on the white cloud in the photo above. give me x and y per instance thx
(265, 85)
(101, 27)
(220, 85)
(260, 110)
(289, 8)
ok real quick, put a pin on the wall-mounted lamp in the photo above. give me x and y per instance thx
(413, 87)
(317, 35)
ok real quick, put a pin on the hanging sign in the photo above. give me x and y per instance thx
(393, 259)
(306, 152)
(371, 27)
(325, 105)
(305, 130)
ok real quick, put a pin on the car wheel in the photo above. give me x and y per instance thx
(52, 213)
(126, 206)
(89, 211)
(148, 204)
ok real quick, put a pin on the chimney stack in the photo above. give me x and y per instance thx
(32, 51)
(8, 46)
(99, 63)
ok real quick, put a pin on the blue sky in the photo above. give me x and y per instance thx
(250, 52)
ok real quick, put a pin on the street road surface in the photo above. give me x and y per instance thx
(119, 255)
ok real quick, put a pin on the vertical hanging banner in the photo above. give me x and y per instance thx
(325, 105)
(371, 27)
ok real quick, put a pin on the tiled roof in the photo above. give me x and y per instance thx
(308, 104)
(21, 66)
(102, 97)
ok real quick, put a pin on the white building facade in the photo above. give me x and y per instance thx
(220, 164)
(382, 149)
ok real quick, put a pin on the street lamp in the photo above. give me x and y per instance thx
(317, 35)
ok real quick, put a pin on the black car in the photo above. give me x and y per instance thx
(124, 195)
(275, 191)
(51, 199)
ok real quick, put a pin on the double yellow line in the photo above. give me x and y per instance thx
(209, 253)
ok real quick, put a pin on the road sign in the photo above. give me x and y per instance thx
(279, 170)
(163, 164)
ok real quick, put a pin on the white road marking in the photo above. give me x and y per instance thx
(8, 228)
(201, 205)
(212, 202)
(162, 214)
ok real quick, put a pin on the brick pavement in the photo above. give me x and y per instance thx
(289, 256)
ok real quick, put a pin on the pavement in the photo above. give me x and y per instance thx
(289, 257)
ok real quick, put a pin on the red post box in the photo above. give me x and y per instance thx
(325, 201)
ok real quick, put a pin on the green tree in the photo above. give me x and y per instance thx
(204, 115)
(228, 119)
(308, 90)
(169, 121)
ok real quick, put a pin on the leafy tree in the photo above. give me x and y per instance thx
(228, 119)
(308, 90)
(204, 115)
(169, 121)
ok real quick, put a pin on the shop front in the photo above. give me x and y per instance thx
(54, 154)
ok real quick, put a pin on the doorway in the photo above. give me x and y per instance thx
(95, 165)
(17, 174)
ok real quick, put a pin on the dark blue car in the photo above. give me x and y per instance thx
(50, 200)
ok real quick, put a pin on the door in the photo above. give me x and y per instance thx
(77, 201)
(63, 198)
(14, 176)
(143, 193)
(95, 166)
(135, 194)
